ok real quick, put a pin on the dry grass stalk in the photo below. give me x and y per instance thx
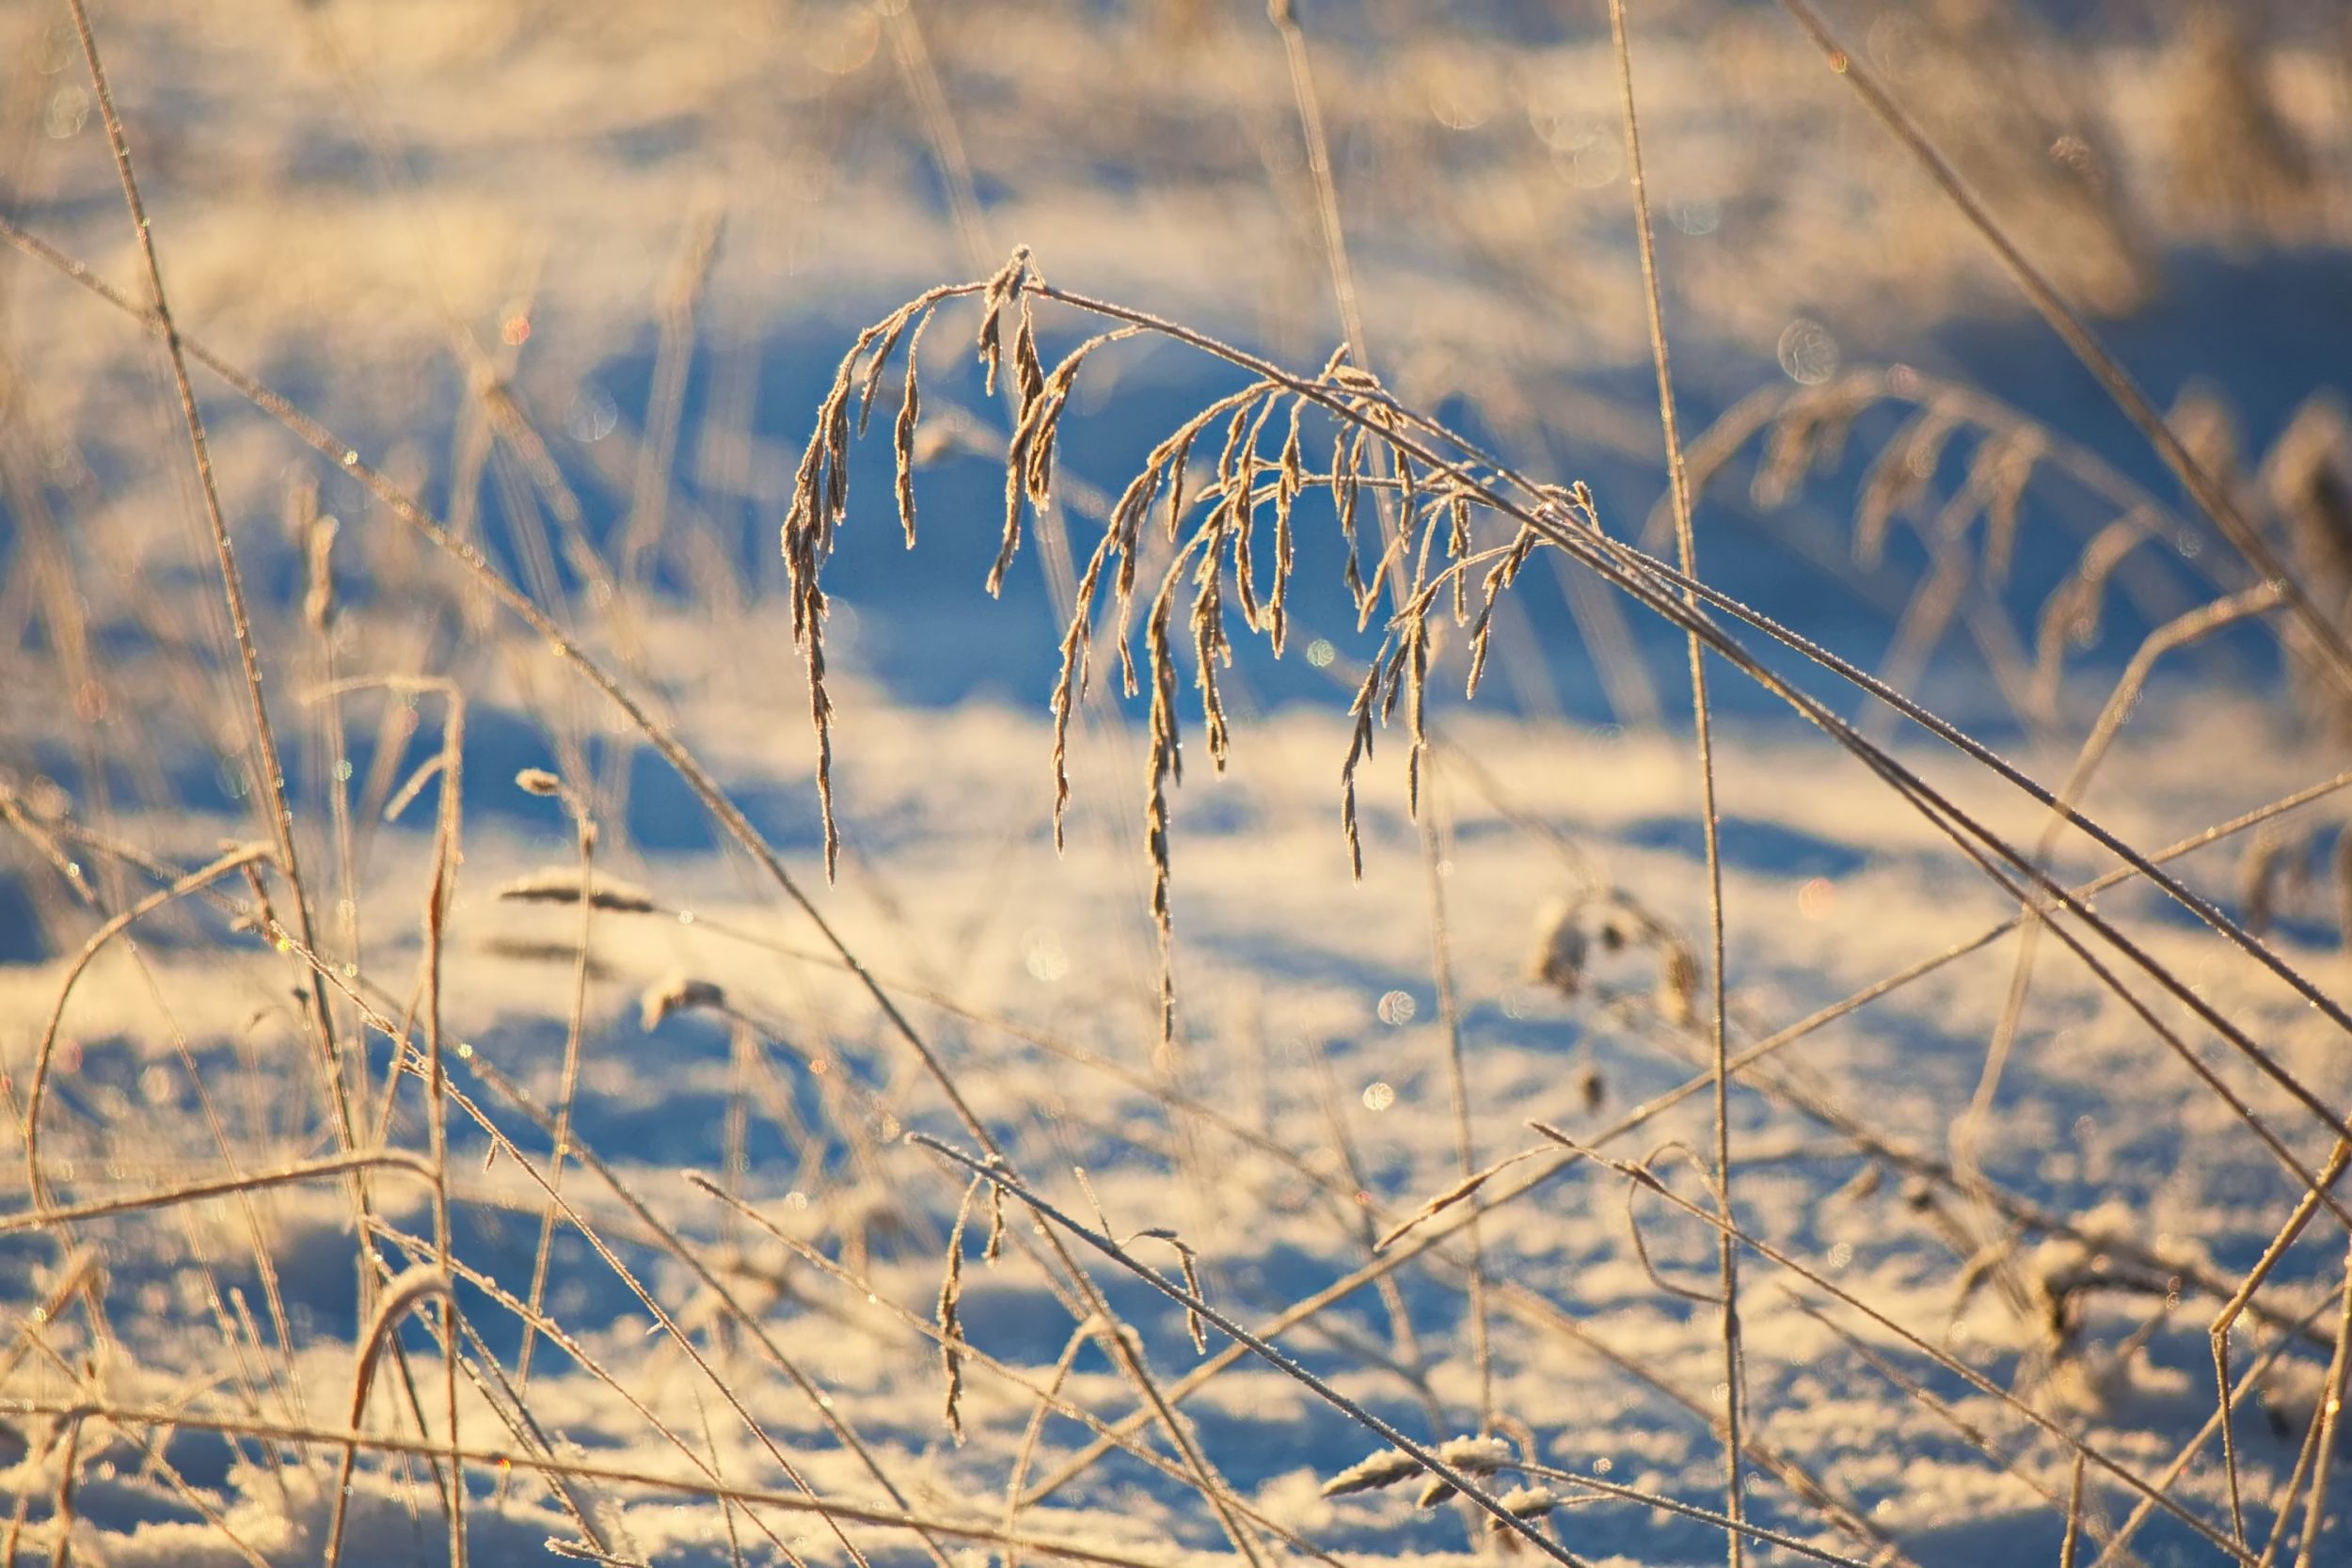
(403, 1295)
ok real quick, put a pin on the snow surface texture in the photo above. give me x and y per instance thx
(577, 276)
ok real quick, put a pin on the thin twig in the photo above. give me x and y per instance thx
(1678, 484)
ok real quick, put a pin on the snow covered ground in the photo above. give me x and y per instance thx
(576, 279)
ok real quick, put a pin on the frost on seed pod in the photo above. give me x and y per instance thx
(1472, 1456)
(1529, 1503)
(1385, 1469)
(1558, 956)
(675, 993)
(563, 886)
(1605, 941)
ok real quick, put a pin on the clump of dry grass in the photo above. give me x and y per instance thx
(1233, 534)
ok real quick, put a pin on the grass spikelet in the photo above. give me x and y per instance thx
(1425, 526)
(1211, 651)
(1896, 480)
(2072, 611)
(1529, 1503)
(1240, 505)
(1417, 685)
(903, 433)
(1291, 480)
(1558, 954)
(1124, 537)
(1678, 982)
(676, 992)
(1179, 459)
(1458, 1193)
(1185, 1261)
(1009, 544)
(1030, 454)
(563, 887)
(819, 503)
(1498, 577)
(2342, 865)
(1233, 478)
(1522, 1502)
(1028, 459)
(892, 329)
(2258, 880)
(2003, 469)
(1003, 289)
(1391, 681)
(1472, 1456)
(2308, 477)
(820, 715)
(1810, 433)
(1358, 747)
(1164, 767)
(1028, 369)
(1346, 481)
(318, 553)
(1458, 548)
(950, 1324)
(1067, 688)
(1382, 1469)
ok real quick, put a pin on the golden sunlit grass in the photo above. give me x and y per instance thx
(353, 1222)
